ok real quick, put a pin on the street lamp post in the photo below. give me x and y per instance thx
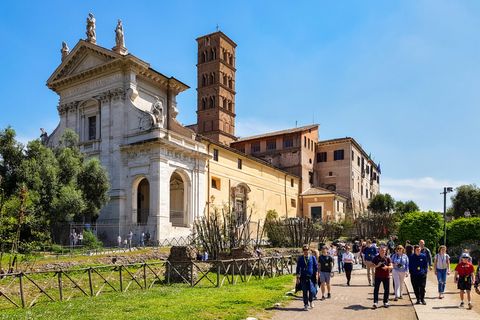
(445, 191)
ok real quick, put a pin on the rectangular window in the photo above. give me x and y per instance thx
(239, 163)
(366, 193)
(308, 143)
(305, 142)
(215, 183)
(215, 154)
(92, 128)
(293, 203)
(271, 144)
(255, 147)
(358, 161)
(291, 183)
(288, 142)
(338, 155)
(353, 156)
(321, 157)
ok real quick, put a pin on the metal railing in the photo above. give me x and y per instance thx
(26, 289)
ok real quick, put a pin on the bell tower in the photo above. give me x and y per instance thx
(216, 87)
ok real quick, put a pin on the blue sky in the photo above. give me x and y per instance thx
(400, 77)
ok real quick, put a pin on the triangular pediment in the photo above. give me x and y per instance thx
(84, 58)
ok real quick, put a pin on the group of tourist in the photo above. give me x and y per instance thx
(399, 261)
(126, 243)
(76, 239)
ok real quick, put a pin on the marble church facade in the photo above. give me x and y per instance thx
(125, 114)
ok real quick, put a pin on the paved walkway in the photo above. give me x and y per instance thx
(356, 302)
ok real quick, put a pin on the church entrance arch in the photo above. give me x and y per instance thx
(178, 200)
(142, 202)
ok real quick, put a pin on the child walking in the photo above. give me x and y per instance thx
(463, 277)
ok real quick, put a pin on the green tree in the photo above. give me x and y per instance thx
(465, 197)
(422, 225)
(382, 203)
(61, 184)
(402, 208)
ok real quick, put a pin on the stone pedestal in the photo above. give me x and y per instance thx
(120, 49)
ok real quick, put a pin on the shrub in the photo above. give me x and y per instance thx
(422, 225)
(461, 230)
(91, 241)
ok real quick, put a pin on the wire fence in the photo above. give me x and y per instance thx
(27, 289)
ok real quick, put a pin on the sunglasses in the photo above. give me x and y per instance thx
(306, 249)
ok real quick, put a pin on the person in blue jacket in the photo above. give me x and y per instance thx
(418, 267)
(307, 272)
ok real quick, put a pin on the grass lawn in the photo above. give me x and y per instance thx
(177, 302)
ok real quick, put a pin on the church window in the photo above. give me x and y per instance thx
(225, 81)
(230, 83)
(291, 183)
(225, 55)
(230, 107)
(212, 77)
(255, 147)
(204, 104)
(92, 128)
(230, 60)
(338, 155)
(214, 53)
(288, 142)
(215, 154)
(225, 103)
(305, 142)
(239, 164)
(271, 144)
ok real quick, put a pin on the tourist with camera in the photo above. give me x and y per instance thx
(382, 265)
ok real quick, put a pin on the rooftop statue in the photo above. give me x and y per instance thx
(91, 35)
(65, 50)
(119, 39)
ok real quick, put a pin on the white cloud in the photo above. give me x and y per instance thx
(425, 192)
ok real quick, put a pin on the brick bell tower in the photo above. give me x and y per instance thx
(216, 87)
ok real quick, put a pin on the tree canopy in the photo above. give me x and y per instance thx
(465, 197)
(61, 184)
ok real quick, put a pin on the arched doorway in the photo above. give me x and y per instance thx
(143, 201)
(177, 201)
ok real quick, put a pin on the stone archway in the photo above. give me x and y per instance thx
(239, 195)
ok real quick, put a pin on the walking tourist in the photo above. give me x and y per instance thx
(427, 253)
(369, 253)
(204, 255)
(477, 279)
(307, 268)
(463, 278)
(73, 238)
(391, 246)
(362, 255)
(382, 265)
(129, 239)
(356, 251)
(408, 249)
(400, 271)
(340, 252)
(347, 260)
(142, 238)
(325, 263)
(418, 267)
(441, 265)
(119, 241)
(332, 252)
(80, 238)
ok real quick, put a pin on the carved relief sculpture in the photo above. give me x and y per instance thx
(91, 35)
(65, 50)
(157, 110)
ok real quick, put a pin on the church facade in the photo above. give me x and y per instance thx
(125, 114)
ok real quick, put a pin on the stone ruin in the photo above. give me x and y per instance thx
(180, 258)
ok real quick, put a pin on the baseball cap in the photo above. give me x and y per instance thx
(465, 255)
(324, 247)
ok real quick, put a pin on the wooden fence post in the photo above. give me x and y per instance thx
(219, 268)
(145, 275)
(22, 296)
(121, 278)
(60, 285)
(90, 280)
(191, 274)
